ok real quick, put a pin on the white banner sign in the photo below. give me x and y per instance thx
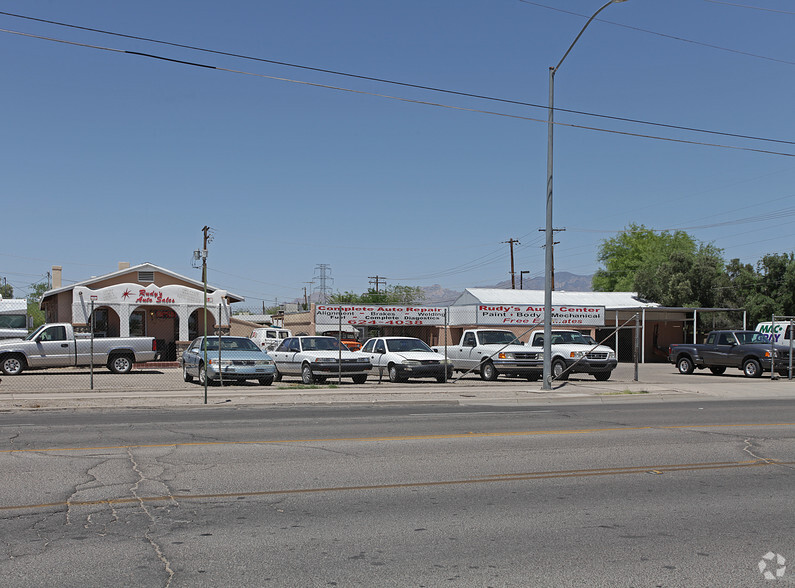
(375, 315)
(572, 316)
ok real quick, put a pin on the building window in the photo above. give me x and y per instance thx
(138, 324)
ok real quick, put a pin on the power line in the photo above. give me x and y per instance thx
(398, 83)
(673, 37)
(400, 99)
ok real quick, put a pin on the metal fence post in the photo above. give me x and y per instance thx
(637, 344)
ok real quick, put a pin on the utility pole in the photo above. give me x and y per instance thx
(513, 274)
(306, 297)
(521, 275)
(377, 280)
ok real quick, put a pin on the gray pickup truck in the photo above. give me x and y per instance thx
(749, 351)
(57, 345)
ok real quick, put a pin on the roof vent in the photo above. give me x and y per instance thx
(146, 277)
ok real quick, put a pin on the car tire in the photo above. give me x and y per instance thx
(306, 375)
(13, 364)
(203, 376)
(266, 381)
(120, 364)
(488, 372)
(719, 370)
(394, 374)
(185, 375)
(359, 378)
(685, 365)
(752, 368)
(559, 370)
(602, 376)
(277, 376)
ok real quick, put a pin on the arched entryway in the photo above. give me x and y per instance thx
(160, 322)
(196, 323)
(106, 322)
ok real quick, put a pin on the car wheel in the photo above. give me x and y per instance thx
(488, 372)
(394, 375)
(717, 370)
(751, 368)
(559, 370)
(203, 379)
(277, 377)
(684, 365)
(306, 375)
(120, 364)
(359, 378)
(602, 376)
(185, 375)
(266, 381)
(13, 365)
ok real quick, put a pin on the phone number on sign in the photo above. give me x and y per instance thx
(393, 322)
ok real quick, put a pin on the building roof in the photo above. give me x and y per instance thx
(146, 267)
(610, 300)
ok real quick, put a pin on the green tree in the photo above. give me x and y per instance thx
(34, 297)
(764, 291)
(6, 291)
(636, 249)
(399, 295)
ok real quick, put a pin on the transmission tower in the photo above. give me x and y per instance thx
(324, 279)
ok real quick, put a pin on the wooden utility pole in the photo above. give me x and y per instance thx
(377, 280)
(513, 274)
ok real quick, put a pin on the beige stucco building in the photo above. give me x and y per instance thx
(145, 300)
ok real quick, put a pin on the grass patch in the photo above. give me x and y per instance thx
(624, 392)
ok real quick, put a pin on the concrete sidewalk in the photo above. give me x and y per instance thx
(153, 388)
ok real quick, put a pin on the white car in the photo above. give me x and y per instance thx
(406, 357)
(316, 358)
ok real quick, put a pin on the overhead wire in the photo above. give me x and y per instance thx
(404, 84)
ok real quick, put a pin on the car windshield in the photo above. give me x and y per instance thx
(403, 345)
(751, 337)
(497, 338)
(573, 337)
(320, 344)
(231, 344)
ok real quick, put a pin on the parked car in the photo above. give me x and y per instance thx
(406, 357)
(228, 359)
(750, 351)
(493, 352)
(573, 354)
(316, 358)
(268, 338)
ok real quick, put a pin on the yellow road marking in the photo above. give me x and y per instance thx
(397, 437)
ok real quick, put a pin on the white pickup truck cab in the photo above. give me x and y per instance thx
(573, 354)
(493, 352)
(57, 345)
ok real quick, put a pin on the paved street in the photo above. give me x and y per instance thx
(651, 493)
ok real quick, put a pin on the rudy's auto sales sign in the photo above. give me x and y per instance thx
(574, 316)
(375, 315)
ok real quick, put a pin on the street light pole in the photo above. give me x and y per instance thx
(548, 259)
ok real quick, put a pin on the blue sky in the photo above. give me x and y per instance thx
(110, 156)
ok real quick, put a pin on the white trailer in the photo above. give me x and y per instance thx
(13, 318)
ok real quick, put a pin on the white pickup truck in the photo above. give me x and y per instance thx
(573, 354)
(494, 352)
(57, 345)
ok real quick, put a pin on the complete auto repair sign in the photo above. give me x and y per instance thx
(379, 315)
(572, 316)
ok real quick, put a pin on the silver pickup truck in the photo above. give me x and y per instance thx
(57, 345)
(493, 352)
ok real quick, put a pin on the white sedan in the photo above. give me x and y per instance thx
(315, 359)
(406, 357)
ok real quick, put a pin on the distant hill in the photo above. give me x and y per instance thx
(436, 294)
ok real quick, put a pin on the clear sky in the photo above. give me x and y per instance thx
(110, 156)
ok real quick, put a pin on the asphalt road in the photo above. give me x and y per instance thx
(628, 494)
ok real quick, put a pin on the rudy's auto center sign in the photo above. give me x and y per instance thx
(375, 315)
(572, 316)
